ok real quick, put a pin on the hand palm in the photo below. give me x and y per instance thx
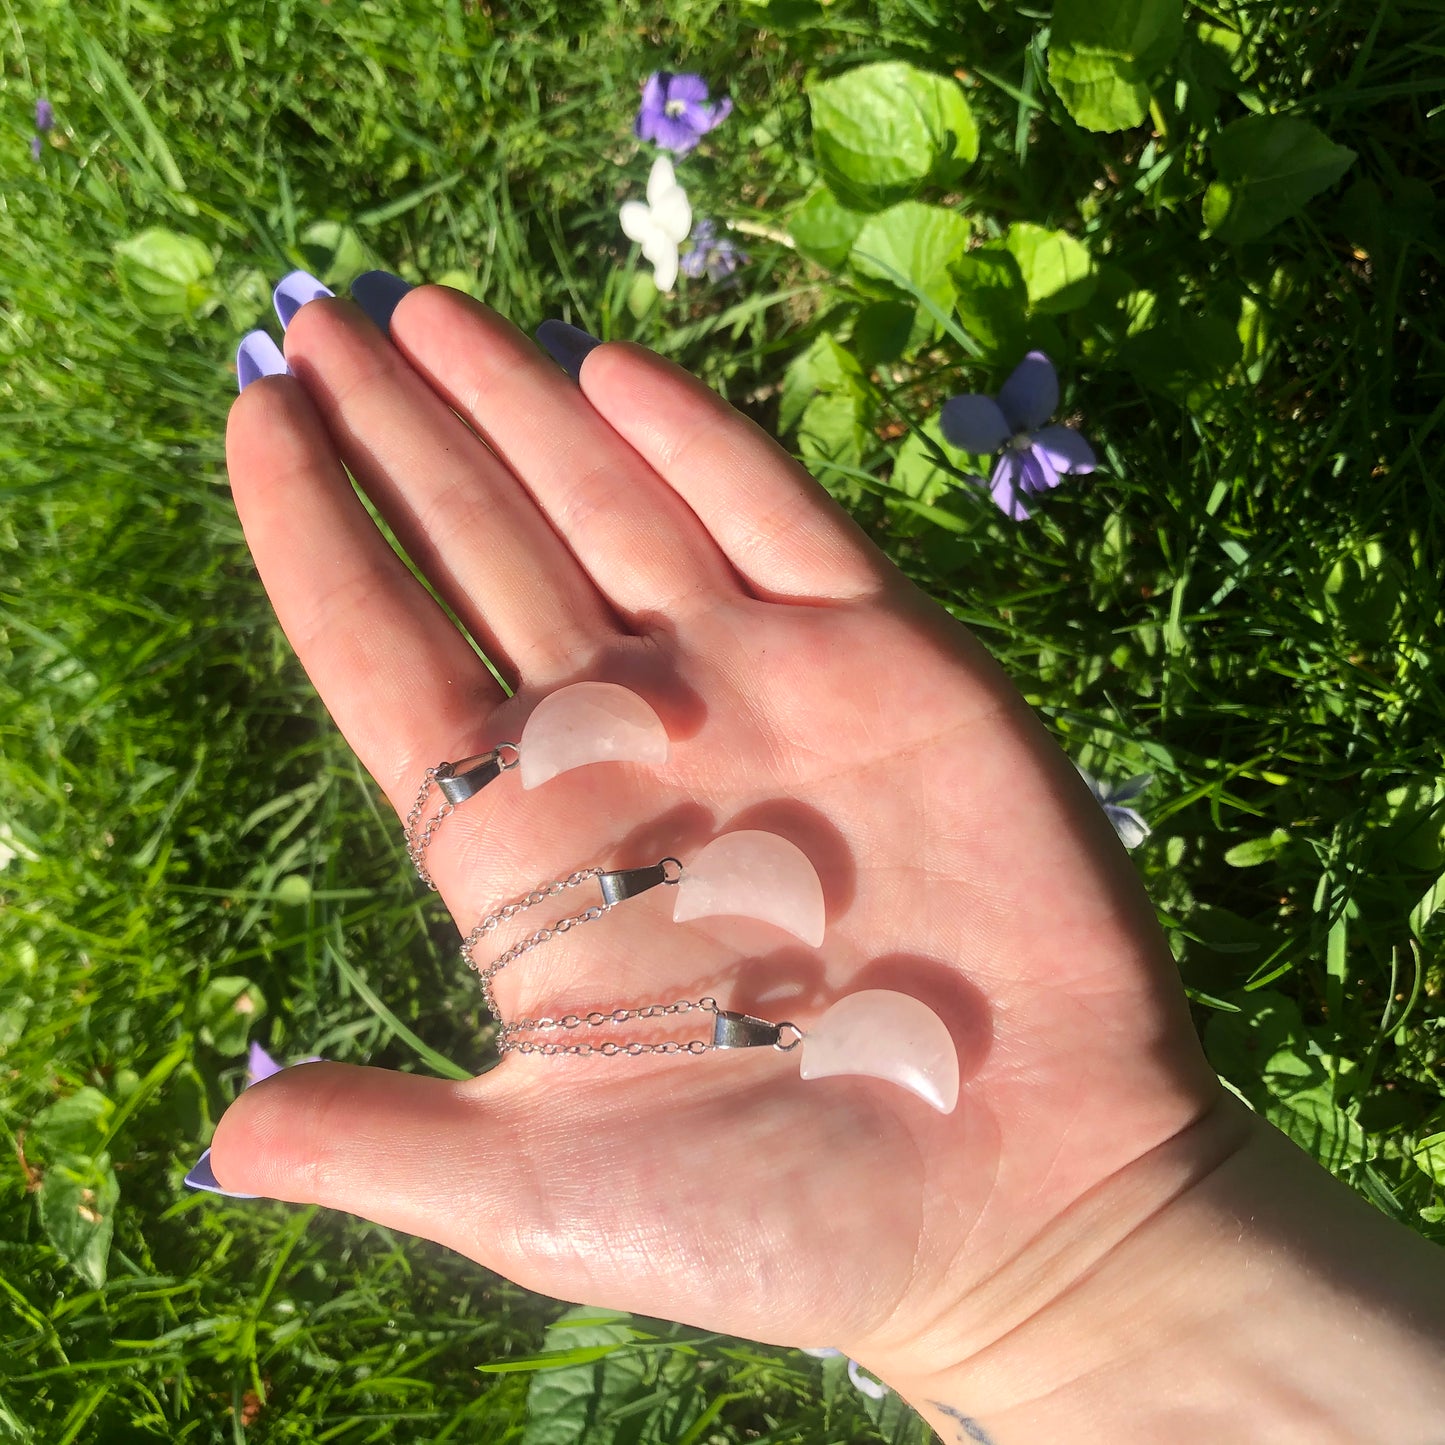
(962, 861)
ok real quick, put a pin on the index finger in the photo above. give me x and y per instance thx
(401, 682)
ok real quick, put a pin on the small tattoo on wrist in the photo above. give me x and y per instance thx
(968, 1428)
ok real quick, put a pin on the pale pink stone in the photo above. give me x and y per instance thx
(589, 722)
(754, 875)
(886, 1035)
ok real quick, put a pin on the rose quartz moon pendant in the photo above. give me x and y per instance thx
(754, 875)
(589, 722)
(886, 1035)
(877, 1034)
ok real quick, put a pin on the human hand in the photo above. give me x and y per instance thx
(639, 530)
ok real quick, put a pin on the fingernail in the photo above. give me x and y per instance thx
(567, 345)
(294, 291)
(378, 293)
(202, 1179)
(257, 356)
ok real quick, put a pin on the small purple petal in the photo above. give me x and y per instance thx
(723, 109)
(974, 423)
(260, 1065)
(1130, 827)
(44, 115)
(1005, 487)
(1130, 788)
(1066, 450)
(671, 132)
(1035, 474)
(685, 85)
(35, 147)
(698, 115)
(654, 97)
(864, 1384)
(1031, 394)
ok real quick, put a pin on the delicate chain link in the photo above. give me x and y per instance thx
(419, 836)
(492, 921)
(417, 842)
(508, 1040)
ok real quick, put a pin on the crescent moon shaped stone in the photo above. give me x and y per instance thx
(885, 1035)
(754, 875)
(588, 722)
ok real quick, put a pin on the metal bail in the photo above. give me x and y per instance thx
(463, 780)
(743, 1031)
(628, 882)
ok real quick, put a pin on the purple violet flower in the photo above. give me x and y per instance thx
(675, 112)
(1034, 456)
(44, 115)
(1128, 824)
(711, 254)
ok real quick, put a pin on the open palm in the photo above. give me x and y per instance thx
(638, 530)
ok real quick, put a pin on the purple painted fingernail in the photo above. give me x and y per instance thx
(379, 293)
(203, 1179)
(569, 346)
(294, 291)
(257, 356)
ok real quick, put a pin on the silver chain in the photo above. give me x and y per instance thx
(419, 835)
(510, 1035)
(514, 1038)
(418, 842)
(492, 921)
(508, 1042)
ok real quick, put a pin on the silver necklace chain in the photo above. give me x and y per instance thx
(516, 1037)
(456, 781)
(729, 1030)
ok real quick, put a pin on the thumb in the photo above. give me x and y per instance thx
(432, 1157)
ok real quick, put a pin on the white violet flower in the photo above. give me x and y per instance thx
(660, 225)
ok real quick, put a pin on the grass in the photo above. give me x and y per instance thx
(1246, 603)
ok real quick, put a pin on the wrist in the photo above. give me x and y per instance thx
(1222, 1287)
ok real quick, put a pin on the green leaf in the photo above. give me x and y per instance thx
(1254, 851)
(918, 243)
(76, 1200)
(916, 470)
(991, 299)
(1318, 1125)
(881, 332)
(823, 229)
(823, 367)
(334, 253)
(1269, 167)
(225, 1011)
(1264, 1048)
(73, 1125)
(832, 437)
(1185, 353)
(1103, 53)
(1429, 1154)
(167, 276)
(1057, 270)
(882, 132)
(588, 1399)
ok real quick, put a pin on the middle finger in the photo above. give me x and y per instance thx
(461, 516)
